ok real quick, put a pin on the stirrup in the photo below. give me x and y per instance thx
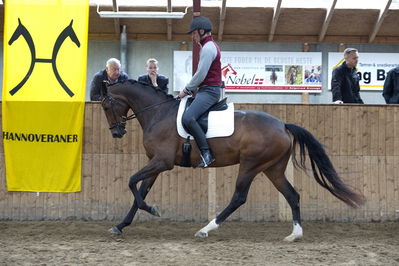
(204, 163)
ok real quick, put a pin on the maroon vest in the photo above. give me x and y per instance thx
(214, 76)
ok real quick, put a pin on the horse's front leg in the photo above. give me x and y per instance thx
(145, 187)
(151, 170)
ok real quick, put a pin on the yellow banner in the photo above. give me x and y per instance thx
(44, 81)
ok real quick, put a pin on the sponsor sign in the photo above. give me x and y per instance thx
(372, 68)
(259, 71)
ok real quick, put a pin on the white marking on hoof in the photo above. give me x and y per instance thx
(292, 238)
(297, 233)
(201, 234)
(115, 231)
(204, 231)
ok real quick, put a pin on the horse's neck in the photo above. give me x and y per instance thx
(154, 113)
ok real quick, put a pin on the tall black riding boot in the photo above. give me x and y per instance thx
(206, 158)
(199, 136)
(206, 155)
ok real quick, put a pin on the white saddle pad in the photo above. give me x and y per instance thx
(220, 123)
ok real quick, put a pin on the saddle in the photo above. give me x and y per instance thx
(214, 124)
(203, 119)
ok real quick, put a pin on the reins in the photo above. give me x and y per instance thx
(134, 115)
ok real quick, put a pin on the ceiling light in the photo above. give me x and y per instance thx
(140, 14)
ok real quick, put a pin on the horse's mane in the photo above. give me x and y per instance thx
(157, 89)
(133, 81)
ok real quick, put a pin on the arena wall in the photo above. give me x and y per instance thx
(362, 141)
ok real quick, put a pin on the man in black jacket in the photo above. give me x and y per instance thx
(391, 86)
(153, 78)
(111, 74)
(345, 80)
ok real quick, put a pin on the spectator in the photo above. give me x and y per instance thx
(391, 86)
(153, 78)
(111, 74)
(345, 80)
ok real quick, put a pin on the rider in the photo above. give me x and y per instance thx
(205, 85)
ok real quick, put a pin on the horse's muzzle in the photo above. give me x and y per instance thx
(118, 132)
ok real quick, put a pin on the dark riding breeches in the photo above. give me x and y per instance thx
(205, 98)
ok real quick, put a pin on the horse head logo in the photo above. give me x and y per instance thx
(228, 70)
(21, 30)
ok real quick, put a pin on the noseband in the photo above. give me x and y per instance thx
(120, 120)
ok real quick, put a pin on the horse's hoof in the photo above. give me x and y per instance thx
(115, 231)
(201, 234)
(292, 238)
(155, 211)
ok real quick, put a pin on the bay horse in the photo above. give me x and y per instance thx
(260, 143)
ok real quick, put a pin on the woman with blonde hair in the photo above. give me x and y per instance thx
(152, 77)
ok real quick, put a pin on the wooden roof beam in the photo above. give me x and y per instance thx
(379, 21)
(221, 20)
(117, 26)
(169, 21)
(275, 19)
(327, 21)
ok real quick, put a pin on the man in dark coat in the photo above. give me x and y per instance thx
(391, 86)
(345, 80)
(111, 74)
(153, 78)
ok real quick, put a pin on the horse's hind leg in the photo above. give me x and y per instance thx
(279, 180)
(243, 184)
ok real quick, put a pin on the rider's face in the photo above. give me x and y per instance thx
(195, 36)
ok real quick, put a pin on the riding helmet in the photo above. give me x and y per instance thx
(200, 23)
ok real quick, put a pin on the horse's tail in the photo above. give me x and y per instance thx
(323, 169)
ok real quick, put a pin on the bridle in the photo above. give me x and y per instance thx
(121, 122)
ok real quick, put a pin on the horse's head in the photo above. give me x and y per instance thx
(292, 75)
(115, 108)
(228, 69)
(18, 32)
(71, 33)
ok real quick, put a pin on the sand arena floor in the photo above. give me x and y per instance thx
(173, 243)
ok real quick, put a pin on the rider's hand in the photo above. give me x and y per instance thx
(182, 94)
